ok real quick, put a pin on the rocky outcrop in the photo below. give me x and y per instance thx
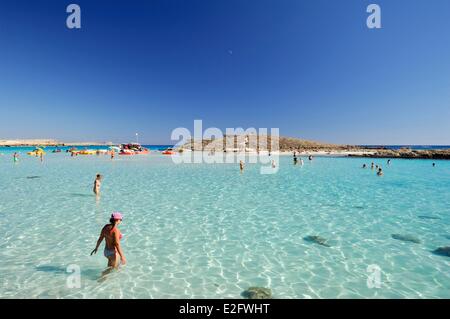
(316, 240)
(408, 154)
(407, 238)
(257, 293)
(442, 251)
(262, 142)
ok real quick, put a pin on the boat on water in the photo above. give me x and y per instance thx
(168, 151)
(36, 152)
(87, 152)
(133, 149)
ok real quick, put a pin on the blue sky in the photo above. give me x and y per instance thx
(311, 68)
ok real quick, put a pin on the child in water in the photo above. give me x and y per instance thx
(97, 184)
(380, 172)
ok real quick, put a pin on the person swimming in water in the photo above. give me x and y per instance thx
(372, 166)
(112, 236)
(389, 162)
(364, 166)
(380, 172)
(97, 184)
(310, 157)
(434, 164)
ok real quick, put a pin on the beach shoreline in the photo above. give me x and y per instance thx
(325, 150)
(47, 142)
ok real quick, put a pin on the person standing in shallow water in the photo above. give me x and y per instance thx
(241, 166)
(112, 236)
(16, 157)
(97, 184)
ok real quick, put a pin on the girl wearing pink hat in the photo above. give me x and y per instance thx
(112, 236)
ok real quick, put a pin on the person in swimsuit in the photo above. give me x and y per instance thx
(15, 157)
(112, 154)
(380, 172)
(111, 234)
(97, 184)
(241, 166)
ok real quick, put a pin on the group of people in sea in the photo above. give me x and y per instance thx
(112, 235)
(242, 165)
(377, 167)
(296, 159)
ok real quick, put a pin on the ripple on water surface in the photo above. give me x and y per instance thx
(207, 231)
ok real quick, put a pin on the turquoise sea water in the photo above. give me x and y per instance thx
(207, 231)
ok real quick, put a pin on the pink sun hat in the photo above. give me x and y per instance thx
(116, 216)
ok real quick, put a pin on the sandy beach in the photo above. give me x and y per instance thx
(46, 142)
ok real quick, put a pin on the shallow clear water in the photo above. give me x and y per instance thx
(207, 231)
